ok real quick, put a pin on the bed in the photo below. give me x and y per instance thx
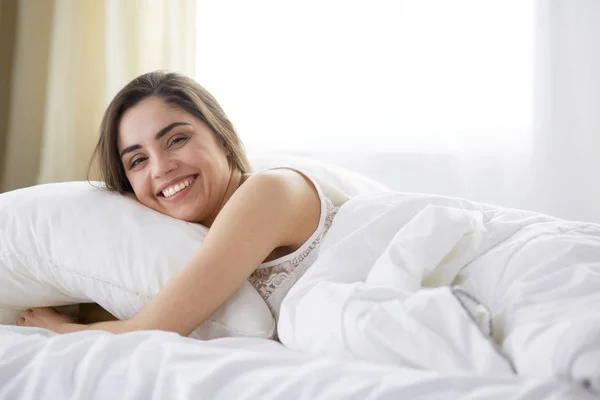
(37, 364)
(474, 301)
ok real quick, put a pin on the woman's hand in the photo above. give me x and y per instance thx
(48, 318)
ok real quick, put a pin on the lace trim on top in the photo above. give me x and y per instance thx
(274, 279)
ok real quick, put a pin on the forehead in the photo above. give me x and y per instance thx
(141, 122)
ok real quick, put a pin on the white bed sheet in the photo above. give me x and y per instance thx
(38, 364)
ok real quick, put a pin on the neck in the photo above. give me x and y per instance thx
(235, 180)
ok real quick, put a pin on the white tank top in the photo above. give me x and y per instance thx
(273, 279)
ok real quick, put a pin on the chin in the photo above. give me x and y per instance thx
(184, 216)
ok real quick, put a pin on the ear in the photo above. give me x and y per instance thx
(227, 151)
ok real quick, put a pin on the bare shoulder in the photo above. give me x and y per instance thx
(283, 181)
(289, 195)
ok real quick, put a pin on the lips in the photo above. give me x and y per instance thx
(176, 186)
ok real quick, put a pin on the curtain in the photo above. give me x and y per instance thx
(69, 58)
(567, 112)
(492, 100)
(8, 12)
(25, 52)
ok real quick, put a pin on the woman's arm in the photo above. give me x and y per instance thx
(270, 210)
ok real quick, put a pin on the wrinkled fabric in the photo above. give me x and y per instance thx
(451, 285)
(38, 364)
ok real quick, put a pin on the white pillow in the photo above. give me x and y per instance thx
(349, 182)
(67, 243)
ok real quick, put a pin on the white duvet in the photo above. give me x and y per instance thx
(411, 296)
(451, 285)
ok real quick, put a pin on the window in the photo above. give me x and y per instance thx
(376, 75)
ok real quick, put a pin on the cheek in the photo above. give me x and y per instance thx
(210, 156)
(141, 187)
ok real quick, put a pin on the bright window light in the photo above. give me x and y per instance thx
(376, 75)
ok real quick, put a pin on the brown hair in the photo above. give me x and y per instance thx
(176, 90)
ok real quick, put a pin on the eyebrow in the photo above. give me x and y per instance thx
(158, 136)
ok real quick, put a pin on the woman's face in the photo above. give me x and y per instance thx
(174, 162)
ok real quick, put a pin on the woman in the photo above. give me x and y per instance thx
(385, 292)
(167, 140)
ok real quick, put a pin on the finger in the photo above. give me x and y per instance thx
(20, 321)
(28, 313)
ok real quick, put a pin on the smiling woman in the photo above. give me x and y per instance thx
(164, 133)
(177, 93)
(183, 170)
(390, 278)
(166, 140)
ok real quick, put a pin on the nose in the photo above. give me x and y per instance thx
(161, 165)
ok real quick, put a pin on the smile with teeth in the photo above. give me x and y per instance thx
(178, 187)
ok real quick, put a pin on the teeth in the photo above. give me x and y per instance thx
(168, 192)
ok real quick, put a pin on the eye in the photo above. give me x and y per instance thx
(178, 140)
(134, 163)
